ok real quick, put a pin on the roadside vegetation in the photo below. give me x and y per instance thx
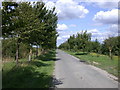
(25, 25)
(99, 60)
(35, 74)
(28, 44)
(103, 55)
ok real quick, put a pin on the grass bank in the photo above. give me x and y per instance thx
(98, 60)
(34, 74)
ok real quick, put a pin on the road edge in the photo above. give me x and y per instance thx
(98, 69)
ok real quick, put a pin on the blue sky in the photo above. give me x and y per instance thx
(97, 17)
(100, 19)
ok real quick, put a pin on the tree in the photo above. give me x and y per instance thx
(96, 46)
(7, 13)
(30, 24)
(72, 42)
(64, 46)
(112, 46)
(80, 42)
(9, 49)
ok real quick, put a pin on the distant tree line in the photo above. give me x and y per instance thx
(25, 25)
(82, 42)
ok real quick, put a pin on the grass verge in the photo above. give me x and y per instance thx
(34, 74)
(98, 60)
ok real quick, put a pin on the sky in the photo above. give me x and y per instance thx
(100, 18)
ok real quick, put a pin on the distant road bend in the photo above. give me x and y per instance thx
(71, 73)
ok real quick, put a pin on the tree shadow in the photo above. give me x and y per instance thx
(56, 82)
(27, 74)
(38, 64)
(26, 77)
(50, 56)
(83, 61)
(81, 53)
(56, 59)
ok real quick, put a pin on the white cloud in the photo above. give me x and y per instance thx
(73, 25)
(107, 4)
(99, 0)
(66, 36)
(49, 4)
(97, 34)
(93, 31)
(58, 38)
(104, 4)
(62, 27)
(68, 9)
(107, 17)
(113, 30)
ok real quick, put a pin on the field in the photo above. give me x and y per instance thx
(98, 60)
(34, 74)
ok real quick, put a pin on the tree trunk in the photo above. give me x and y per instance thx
(37, 51)
(110, 53)
(30, 55)
(17, 52)
(43, 51)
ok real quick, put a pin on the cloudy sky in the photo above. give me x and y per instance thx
(99, 18)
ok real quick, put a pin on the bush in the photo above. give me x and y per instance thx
(9, 49)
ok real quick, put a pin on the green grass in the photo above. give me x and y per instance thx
(34, 74)
(98, 60)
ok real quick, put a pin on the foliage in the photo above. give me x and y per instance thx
(111, 46)
(28, 24)
(9, 49)
(103, 61)
(82, 42)
(78, 42)
(35, 74)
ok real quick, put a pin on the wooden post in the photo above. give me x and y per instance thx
(17, 52)
(30, 55)
(110, 53)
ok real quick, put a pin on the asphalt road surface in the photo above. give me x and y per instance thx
(71, 73)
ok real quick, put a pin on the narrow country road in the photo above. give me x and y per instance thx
(71, 73)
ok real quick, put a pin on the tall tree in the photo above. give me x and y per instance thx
(31, 24)
(8, 9)
(112, 45)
